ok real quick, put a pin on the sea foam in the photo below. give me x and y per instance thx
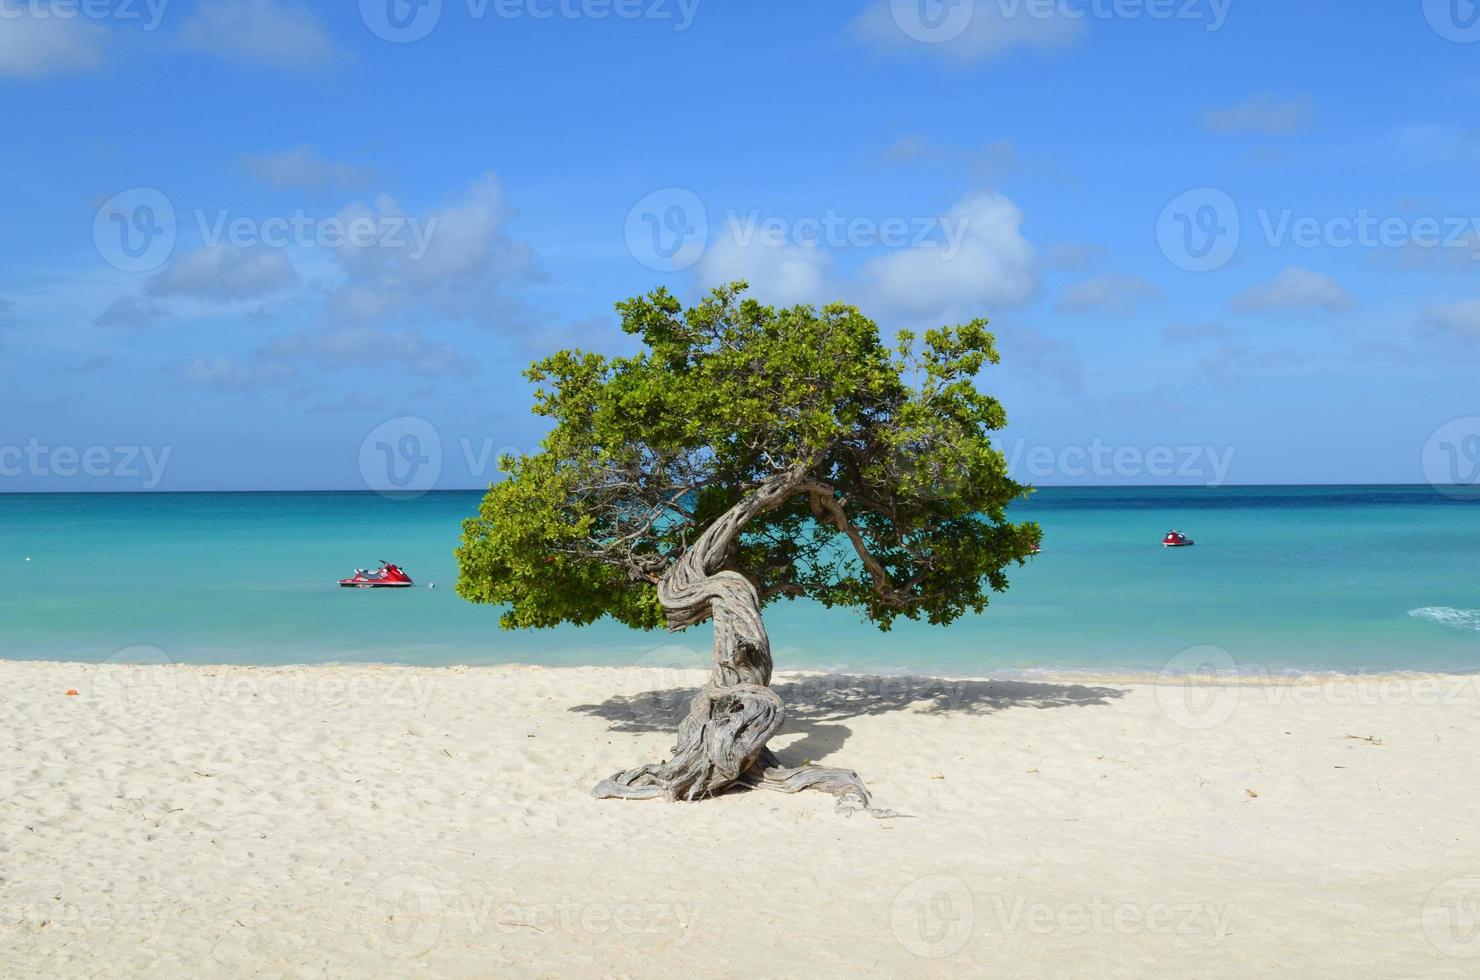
(1459, 619)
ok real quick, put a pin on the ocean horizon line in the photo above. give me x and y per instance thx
(1211, 675)
(346, 491)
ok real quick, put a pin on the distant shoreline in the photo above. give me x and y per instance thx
(1463, 488)
(1252, 677)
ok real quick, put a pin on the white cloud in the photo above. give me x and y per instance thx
(226, 273)
(994, 267)
(1262, 114)
(131, 311)
(1459, 319)
(362, 346)
(983, 263)
(969, 32)
(302, 169)
(1115, 295)
(228, 375)
(38, 47)
(279, 362)
(779, 274)
(272, 33)
(465, 267)
(1295, 290)
(599, 334)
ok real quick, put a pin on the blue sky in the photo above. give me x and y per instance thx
(182, 306)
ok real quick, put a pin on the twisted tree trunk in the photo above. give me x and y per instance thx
(722, 741)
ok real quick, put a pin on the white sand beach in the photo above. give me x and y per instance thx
(390, 821)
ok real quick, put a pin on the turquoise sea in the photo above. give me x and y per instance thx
(1317, 578)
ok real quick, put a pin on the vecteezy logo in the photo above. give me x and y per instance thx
(402, 916)
(1454, 20)
(1451, 917)
(401, 21)
(668, 229)
(1451, 458)
(134, 230)
(933, 21)
(1193, 688)
(933, 916)
(1199, 230)
(402, 457)
(135, 688)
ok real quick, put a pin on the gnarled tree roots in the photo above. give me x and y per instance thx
(722, 742)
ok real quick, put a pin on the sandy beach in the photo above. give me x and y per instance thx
(394, 821)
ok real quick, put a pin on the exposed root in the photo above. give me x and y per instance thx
(693, 775)
(725, 731)
(722, 741)
(844, 784)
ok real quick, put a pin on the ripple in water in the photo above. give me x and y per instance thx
(1459, 619)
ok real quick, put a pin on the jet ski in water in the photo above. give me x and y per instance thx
(1176, 539)
(388, 576)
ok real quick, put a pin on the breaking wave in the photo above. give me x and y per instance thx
(1459, 619)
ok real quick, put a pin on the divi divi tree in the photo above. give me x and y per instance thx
(749, 454)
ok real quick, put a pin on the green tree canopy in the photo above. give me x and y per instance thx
(884, 492)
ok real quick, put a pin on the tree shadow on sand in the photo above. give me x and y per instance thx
(815, 704)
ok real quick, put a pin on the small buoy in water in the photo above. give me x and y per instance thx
(72, 692)
(431, 585)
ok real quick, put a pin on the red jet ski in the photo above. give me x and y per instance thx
(388, 576)
(1176, 539)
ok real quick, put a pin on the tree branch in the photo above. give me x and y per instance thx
(823, 498)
